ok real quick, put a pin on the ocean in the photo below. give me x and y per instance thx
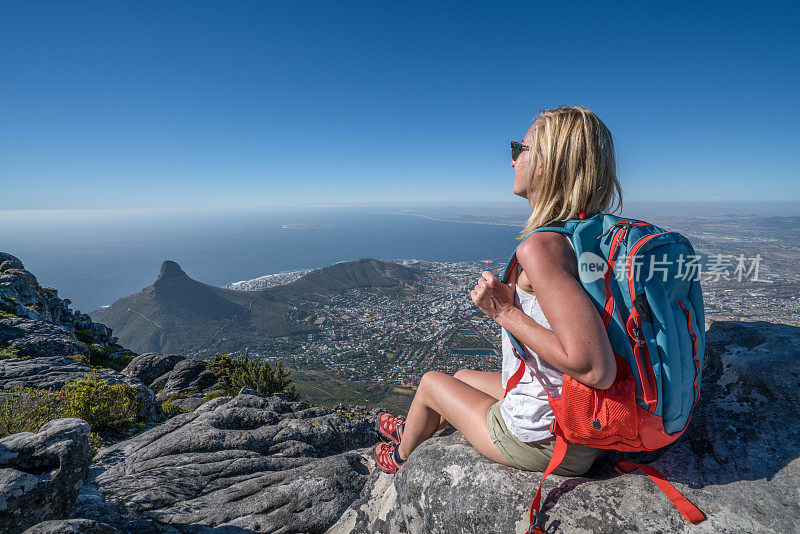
(96, 257)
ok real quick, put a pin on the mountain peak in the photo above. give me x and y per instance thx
(170, 270)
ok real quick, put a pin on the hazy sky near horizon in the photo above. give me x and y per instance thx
(229, 104)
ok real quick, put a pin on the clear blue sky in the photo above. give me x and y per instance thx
(159, 104)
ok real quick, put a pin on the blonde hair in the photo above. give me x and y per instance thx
(576, 154)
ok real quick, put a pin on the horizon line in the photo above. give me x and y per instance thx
(382, 204)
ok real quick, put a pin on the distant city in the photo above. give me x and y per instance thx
(371, 335)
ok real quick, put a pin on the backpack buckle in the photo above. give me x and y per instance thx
(539, 520)
(638, 336)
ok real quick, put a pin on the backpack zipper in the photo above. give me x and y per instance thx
(649, 385)
(694, 349)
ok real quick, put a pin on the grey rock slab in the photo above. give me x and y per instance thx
(34, 338)
(41, 473)
(33, 301)
(247, 463)
(149, 366)
(738, 462)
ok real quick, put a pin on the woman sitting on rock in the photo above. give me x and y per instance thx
(564, 166)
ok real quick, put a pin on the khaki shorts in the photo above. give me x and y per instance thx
(536, 455)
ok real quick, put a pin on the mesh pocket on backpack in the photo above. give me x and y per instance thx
(600, 413)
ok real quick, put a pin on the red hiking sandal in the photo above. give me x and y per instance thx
(387, 458)
(389, 427)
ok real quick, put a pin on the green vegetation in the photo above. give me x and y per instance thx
(214, 394)
(87, 337)
(27, 409)
(7, 303)
(171, 409)
(109, 410)
(8, 352)
(464, 338)
(103, 406)
(236, 372)
(110, 356)
(80, 358)
(7, 307)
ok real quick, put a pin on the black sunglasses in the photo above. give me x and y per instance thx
(517, 149)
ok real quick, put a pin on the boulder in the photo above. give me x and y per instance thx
(149, 366)
(40, 474)
(737, 461)
(19, 287)
(188, 381)
(188, 374)
(34, 338)
(53, 372)
(242, 464)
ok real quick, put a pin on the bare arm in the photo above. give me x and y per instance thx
(578, 343)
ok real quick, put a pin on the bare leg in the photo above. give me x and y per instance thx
(489, 383)
(441, 396)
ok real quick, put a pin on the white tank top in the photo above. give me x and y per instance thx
(525, 410)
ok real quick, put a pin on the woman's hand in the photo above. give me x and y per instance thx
(493, 296)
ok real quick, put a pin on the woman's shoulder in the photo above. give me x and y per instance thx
(545, 241)
(542, 252)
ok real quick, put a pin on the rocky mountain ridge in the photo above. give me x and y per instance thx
(39, 321)
(179, 314)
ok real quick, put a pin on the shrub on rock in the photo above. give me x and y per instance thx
(237, 372)
(103, 406)
(171, 409)
(6, 353)
(107, 408)
(27, 409)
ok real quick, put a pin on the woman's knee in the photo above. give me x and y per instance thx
(429, 380)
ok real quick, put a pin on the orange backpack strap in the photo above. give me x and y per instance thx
(516, 377)
(538, 519)
(689, 511)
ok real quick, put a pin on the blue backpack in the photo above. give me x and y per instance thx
(644, 282)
